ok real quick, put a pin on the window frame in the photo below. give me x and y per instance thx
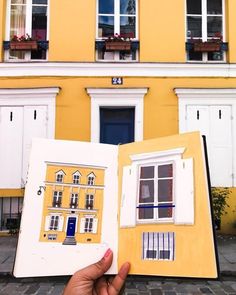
(28, 29)
(54, 222)
(74, 200)
(57, 198)
(204, 15)
(87, 222)
(89, 201)
(59, 176)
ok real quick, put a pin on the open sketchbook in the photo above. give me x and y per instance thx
(148, 201)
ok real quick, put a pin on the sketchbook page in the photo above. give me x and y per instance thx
(69, 216)
(165, 215)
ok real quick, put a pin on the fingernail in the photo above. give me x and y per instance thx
(108, 253)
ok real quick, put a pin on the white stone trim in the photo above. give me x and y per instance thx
(162, 154)
(114, 69)
(210, 97)
(32, 96)
(116, 97)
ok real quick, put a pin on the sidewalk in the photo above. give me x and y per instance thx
(226, 250)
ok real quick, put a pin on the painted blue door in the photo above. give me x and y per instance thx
(71, 227)
(116, 125)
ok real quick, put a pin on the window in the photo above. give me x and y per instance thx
(91, 179)
(27, 17)
(205, 21)
(54, 222)
(88, 226)
(60, 176)
(89, 202)
(52, 237)
(155, 199)
(57, 198)
(158, 246)
(117, 17)
(74, 201)
(76, 177)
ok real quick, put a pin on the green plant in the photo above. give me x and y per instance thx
(219, 201)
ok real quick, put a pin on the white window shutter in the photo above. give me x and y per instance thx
(61, 222)
(128, 198)
(82, 224)
(184, 192)
(47, 223)
(95, 225)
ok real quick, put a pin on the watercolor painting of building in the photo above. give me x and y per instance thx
(73, 204)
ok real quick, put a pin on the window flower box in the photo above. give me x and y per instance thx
(207, 46)
(24, 45)
(118, 45)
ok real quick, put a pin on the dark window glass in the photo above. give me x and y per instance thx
(215, 55)
(194, 6)
(147, 172)
(40, 1)
(214, 6)
(194, 26)
(165, 190)
(145, 213)
(146, 191)
(165, 171)
(151, 254)
(106, 26)
(214, 26)
(127, 7)
(106, 6)
(194, 55)
(127, 26)
(39, 22)
(165, 212)
(164, 254)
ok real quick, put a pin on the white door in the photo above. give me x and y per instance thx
(215, 123)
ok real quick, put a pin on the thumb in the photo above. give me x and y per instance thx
(96, 270)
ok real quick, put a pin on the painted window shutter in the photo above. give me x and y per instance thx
(95, 225)
(82, 224)
(47, 223)
(184, 188)
(128, 199)
(61, 222)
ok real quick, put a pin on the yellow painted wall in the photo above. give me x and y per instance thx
(194, 247)
(231, 30)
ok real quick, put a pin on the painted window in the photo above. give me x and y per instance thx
(88, 226)
(27, 17)
(155, 196)
(74, 200)
(52, 237)
(60, 176)
(54, 222)
(89, 202)
(57, 199)
(158, 245)
(91, 179)
(205, 21)
(76, 177)
(117, 17)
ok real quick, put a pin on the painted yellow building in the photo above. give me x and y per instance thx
(74, 87)
(73, 202)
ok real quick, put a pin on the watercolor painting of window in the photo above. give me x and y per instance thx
(89, 202)
(158, 245)
(60, 176)
(73, 200)
(54, 222)
(91, 179)
(155, 199)
(57, 199)
(76, 177)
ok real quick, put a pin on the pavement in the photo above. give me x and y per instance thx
(135, 285)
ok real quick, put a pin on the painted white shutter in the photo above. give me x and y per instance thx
(184, 192)
(128, 197)
(61, 222)
(35, 125)
(82, 225)
(47, 223)
(95, 225)
(11, 134)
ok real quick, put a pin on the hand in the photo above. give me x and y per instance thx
(91, 280)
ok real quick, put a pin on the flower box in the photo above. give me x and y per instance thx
(24, 45)
(118, 45)
(206, 46)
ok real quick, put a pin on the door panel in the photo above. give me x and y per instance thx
(71, 227)
(11, 133)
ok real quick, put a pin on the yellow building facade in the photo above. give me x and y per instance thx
(74, 88)
(73, 202)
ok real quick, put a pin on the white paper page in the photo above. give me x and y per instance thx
(35, 258)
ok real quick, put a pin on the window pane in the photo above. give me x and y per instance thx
(214, 6)
(165, 212)
(214, 26)
(127, 26)
(39, 23)
(106, 6)
(164, 254)
(165, 190)
(194, 6)
(215, 55)
(106, 26)
(18, 20)
(151, 254)
(194, 26)
(18, 1)
(145, 213)
(165, 171)
(146, 191)
(147, 172)
(127, 6)
(40, 1)
(192, 55)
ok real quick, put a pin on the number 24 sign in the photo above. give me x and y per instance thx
(117, 80)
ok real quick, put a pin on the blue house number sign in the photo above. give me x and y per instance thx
(117, 80)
